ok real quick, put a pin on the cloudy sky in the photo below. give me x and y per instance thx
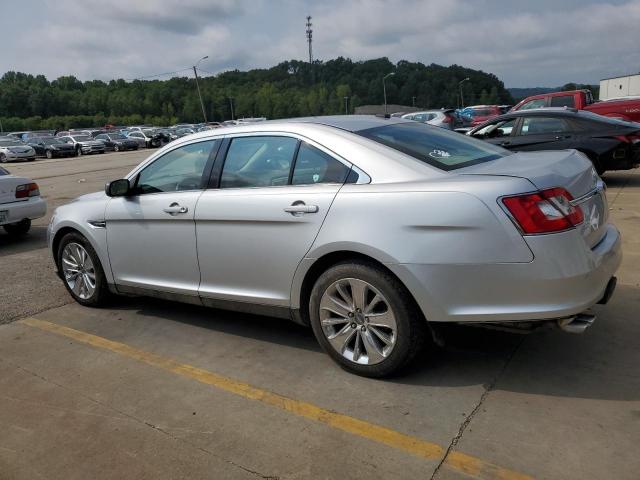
(525, 43)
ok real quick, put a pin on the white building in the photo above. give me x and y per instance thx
(616, 87)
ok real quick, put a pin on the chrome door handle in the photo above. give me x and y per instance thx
(175, 209)
(299, 208)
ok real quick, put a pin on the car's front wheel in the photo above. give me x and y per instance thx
(365, 319)
(81, 271)
(48, 154)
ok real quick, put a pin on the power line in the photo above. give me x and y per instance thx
(157, 75)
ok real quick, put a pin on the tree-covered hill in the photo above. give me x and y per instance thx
(290, 89)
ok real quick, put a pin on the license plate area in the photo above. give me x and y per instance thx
(4, 216)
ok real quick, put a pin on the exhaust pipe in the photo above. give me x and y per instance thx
(577, 324)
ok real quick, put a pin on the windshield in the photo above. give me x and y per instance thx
(117, 136)
(148, 132)
(435, 146)
(51, 141)
(82, 138)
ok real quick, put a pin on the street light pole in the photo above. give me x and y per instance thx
(384, 90)
(346, 105)
(195, 72)
(231, 104)
(460, 87)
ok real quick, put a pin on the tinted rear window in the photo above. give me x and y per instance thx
(436, 146)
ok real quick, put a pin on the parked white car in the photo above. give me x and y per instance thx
(20, 202)
(12, 149)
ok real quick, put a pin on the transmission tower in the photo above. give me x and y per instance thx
(310, 38)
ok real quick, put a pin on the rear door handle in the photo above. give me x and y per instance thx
(175, 209)
(299, 208)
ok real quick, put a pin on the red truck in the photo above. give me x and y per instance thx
(625, 109)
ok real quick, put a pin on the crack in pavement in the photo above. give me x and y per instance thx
(142, 422)
(476, 408)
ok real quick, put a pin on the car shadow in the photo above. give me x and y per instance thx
(35, 239)
(599, 364)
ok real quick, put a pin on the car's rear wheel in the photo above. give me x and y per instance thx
(365, 319)
(17, 229)
(81, 271)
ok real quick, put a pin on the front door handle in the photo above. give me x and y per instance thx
(300, 208)
(175, 209)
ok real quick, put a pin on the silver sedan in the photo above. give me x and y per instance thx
(371, 230)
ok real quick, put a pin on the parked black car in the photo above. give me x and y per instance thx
(610, 144)
(116, 142)
(51, 147)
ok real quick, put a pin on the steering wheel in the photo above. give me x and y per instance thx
(189, 183)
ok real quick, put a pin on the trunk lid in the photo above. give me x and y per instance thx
(568, 169)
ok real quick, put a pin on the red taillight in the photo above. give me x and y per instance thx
(544, 212)
(623, 138)
(27, 190)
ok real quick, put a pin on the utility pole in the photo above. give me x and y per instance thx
(195, 72)
(346, 105)
(310, 39)
(413, 101)
(384, 90)
(231, 105)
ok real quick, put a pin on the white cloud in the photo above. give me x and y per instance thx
(524, 43)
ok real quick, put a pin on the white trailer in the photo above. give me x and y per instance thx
(618, 87)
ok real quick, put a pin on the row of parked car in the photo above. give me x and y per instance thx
(27, 146)
(607, 132)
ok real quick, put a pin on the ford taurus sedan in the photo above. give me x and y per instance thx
(370, 230)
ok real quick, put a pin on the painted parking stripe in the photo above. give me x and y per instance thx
(461, 462)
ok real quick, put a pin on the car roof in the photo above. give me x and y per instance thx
(351, 123)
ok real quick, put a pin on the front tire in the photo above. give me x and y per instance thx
(82, 271)
(48, 154)
(116, 148)
(18, 229)
(79, 152)
(365, 319)
(3, 158)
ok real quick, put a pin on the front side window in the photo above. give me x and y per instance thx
(176, 171)
(538, 103)
(544, 125)
(563, 101)
(438, 147)
(314, 166)
(261, 161)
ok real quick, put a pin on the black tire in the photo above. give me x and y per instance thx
(101, 294)
(18, 229)
(3, 158)
(78, 151)
(48, 154)
(411, 326)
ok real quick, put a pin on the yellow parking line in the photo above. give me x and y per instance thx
(461, 462)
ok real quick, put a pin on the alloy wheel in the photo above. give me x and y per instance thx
(79, 271)
(358, 321)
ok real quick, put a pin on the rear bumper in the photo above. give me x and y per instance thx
(562, 280)
(18, 211)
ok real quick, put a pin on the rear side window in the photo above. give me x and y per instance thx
(538, 103)
(314, 166)
(563, 101)
(438, 147)
(544, 125)
(258, 162)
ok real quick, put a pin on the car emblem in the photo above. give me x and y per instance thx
(594, 219)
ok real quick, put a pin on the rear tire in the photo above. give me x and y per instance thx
(375, 336)
(18, 229)
(82, 271)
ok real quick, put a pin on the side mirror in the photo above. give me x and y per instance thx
(117, 188)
